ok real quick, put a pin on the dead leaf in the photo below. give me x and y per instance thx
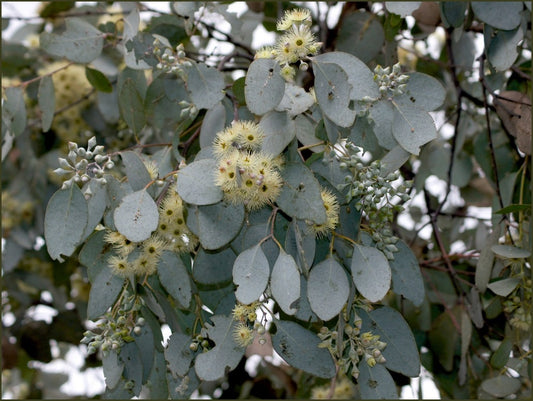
(514, 109)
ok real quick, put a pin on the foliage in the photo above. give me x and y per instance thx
(270, 201)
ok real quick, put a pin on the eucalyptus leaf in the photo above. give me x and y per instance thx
(113, 369)
(406, 277)
(486, 260)
(178, 353)
(413, 128)
(422, 91)
(504, 287)
(285, 282)
(371, 272)
(264, 87)
(376, 383)
(327, 289)
(300, 243)
(250, 273)
(175, 278)
(214, 122)
(205, 85)
(501, 386)
(504, 15)
(131, 106)
(279, 131)
(105, 289)
(65, 221)
(362, 35)
(295, 100)
(401, 352)
(98, 80)
(215, 225)
(80, 42)
(300, 195)
(196, 183)
(47, 102)
(213, 267)
(213, 364)
(136, 171)
(299, 348)
(137, 216)
(360, 77)
(14, 110)
(402, 8)
(511, 252)
(333, 92)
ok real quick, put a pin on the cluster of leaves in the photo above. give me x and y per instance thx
(144, 235)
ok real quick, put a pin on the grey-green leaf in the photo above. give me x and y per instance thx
(402, 8)
(371, 272)
(299, 348)
(196, 183)
(64, 222)
(214, 122)
(413, 128)
(360, 77)
(113, 369)
(213, 267)
(300, 243)
(406, 276)
(453, 12)
(225, 356)
(215, 225)
(504, 287)
(486, 260)
(250, 273)
(137, 216)
(104, 291)
(138, 175)
(81, 42)
(285, 282)
(502, 50)
(501, 386)
(264, 87)
(362, 35)
(131, 106)
(14, 110)
(333, 92)
(178, 354)
(376, 383)
(295, 100)
(422, 91)
(300, 195)
(327, 289)
(175, 278)
(279, 130)
(401, 352)
(205, 85)
(47, 102)
(504, 15)
(511, 252)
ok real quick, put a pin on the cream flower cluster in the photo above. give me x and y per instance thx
(296, 44)
(245, 174)
(141, 258)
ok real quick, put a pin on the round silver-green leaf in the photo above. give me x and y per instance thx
(327, 289)
(196, 183)
(64, 222)
(250, 273)
(285, 282)
(264, 87)
(371, 272)
(137, 216)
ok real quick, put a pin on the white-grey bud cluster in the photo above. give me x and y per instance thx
(116, 329)
(390, 83)
(188, 109)
(171, 60)
(355, 346)
(375, 194)
(84, 164)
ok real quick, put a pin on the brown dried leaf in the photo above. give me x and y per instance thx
(514, 109)
(427, 16)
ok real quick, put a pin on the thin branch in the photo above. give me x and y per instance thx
(489, 131)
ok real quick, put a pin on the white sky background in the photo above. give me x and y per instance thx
(91, 381)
